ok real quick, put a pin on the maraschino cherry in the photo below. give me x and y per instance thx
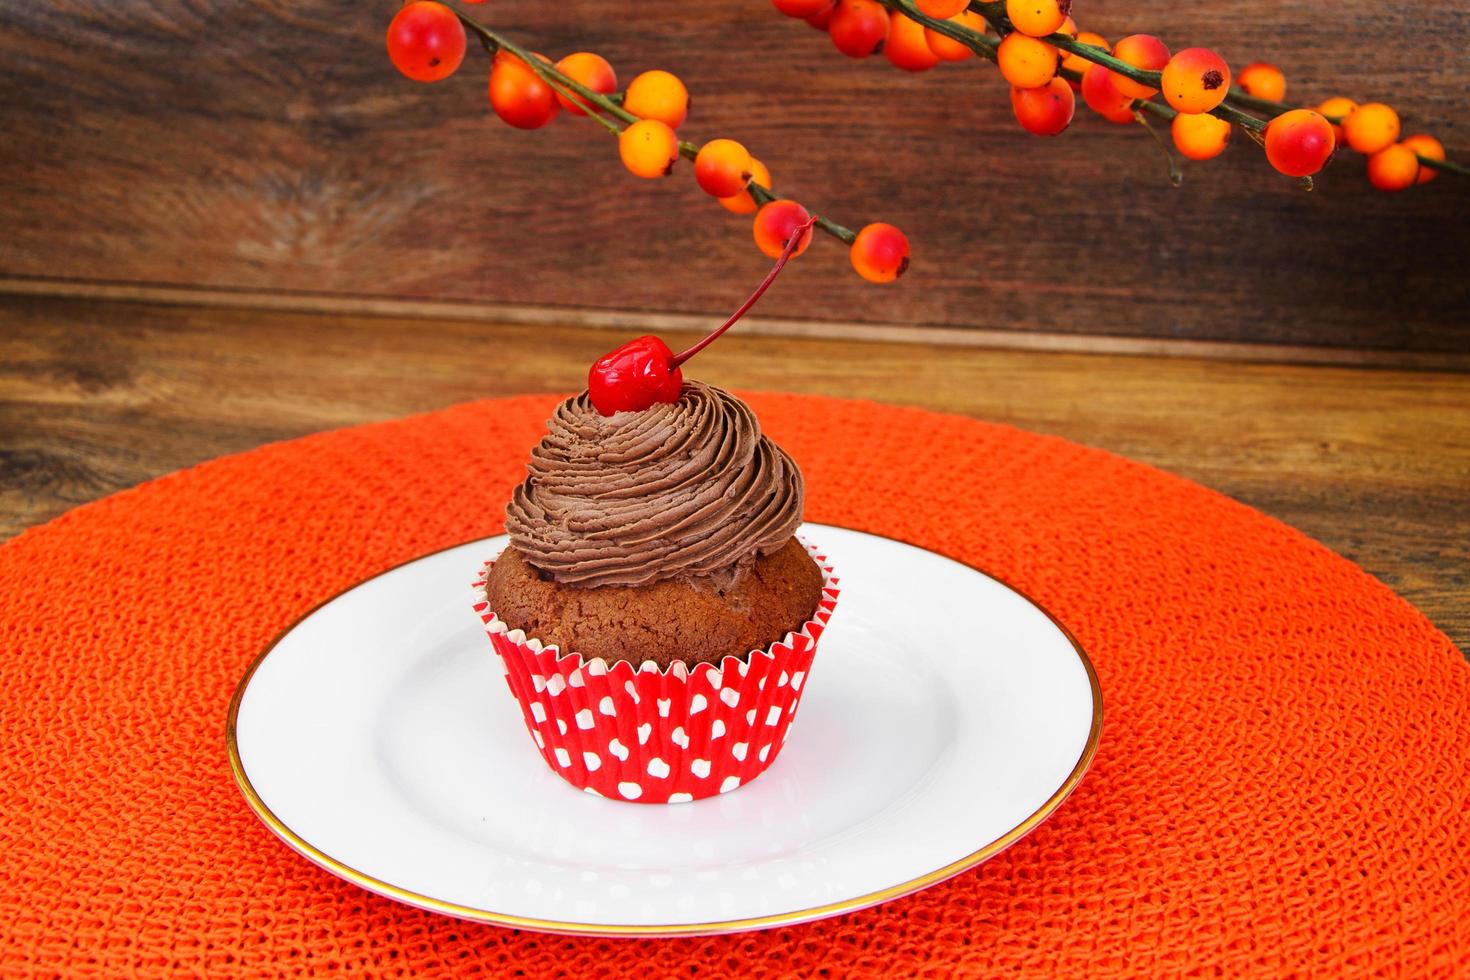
(644, 372)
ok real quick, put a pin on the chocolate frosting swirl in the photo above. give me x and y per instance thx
(679, 490)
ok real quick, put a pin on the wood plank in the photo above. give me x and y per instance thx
(258, 146)
(98, 396)
(625, 320)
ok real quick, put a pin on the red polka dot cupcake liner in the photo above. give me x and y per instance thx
(645, 734)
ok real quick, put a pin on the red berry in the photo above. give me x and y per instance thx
(1200, 136)
(1428, 147)
(518, 95)
(1393, 168)
(1299, 143)
(1100, 92)
(1335, 110)
(426, 41)
(1263, 80)
(636, 376)
(946, 47)
(723, 168)
(1141, 51)
(1371, 127)
(880, 253)
(942, 9)
(1026, 62)
(1079, 64)
(907, 47)
(590, 70)
(1196, 80)
(649, 148)
(1045, 111)
(800, 8)
(776, 222)
(658, 95)
(744, 202)
(1038, 18)
(822, 19)
(858, 27)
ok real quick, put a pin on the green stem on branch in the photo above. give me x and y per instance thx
(1240, 97)
(1448, 166)
(612, 105)
(1229, 113)
(994, 12)
(1176, 177)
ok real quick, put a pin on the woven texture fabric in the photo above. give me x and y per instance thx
(1281, 786)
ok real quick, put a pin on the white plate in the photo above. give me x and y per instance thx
(947, 715)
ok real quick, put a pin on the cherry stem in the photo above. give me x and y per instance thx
(791, 245)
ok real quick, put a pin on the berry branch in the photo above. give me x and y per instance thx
(1038, 48)
(989, 47)
(427, 41)
(994, 12)
(612, 105)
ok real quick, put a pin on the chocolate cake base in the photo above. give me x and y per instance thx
(701, 620)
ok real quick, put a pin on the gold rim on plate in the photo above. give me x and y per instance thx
(319, 857)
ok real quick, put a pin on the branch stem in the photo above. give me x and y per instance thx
(995, 14)
(611, 105)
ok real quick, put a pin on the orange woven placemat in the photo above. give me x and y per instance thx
(1281, 785)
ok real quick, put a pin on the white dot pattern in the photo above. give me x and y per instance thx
(637, 732)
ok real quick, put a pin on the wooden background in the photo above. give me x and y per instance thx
(1375, 463)
(267, 147)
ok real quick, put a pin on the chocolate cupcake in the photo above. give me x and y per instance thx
(655, 612)
(662, 535)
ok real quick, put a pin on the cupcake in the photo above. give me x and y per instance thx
(655, 612)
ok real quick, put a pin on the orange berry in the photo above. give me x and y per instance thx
(723, 168)
(518, 95)
(775, 223)
(649, 148)
(947, 48)
(590, 70)
(906, 47)
(1038, 18)
(941, 9)
(1196, 80)
(800, 8)
(1263, 80)
(1100, 92)
(1426, 146)
(880, 253)
(743, 203)
(1299, 143)
(1336, 109)
(658, 95)
(1026, 62)
(426, 41)
(858, 28)
(1045, 111)
(1069, 28)
(1141, 51)
(1371, 127)
(1393, 168)
(1200, 136)
(1077, 63)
